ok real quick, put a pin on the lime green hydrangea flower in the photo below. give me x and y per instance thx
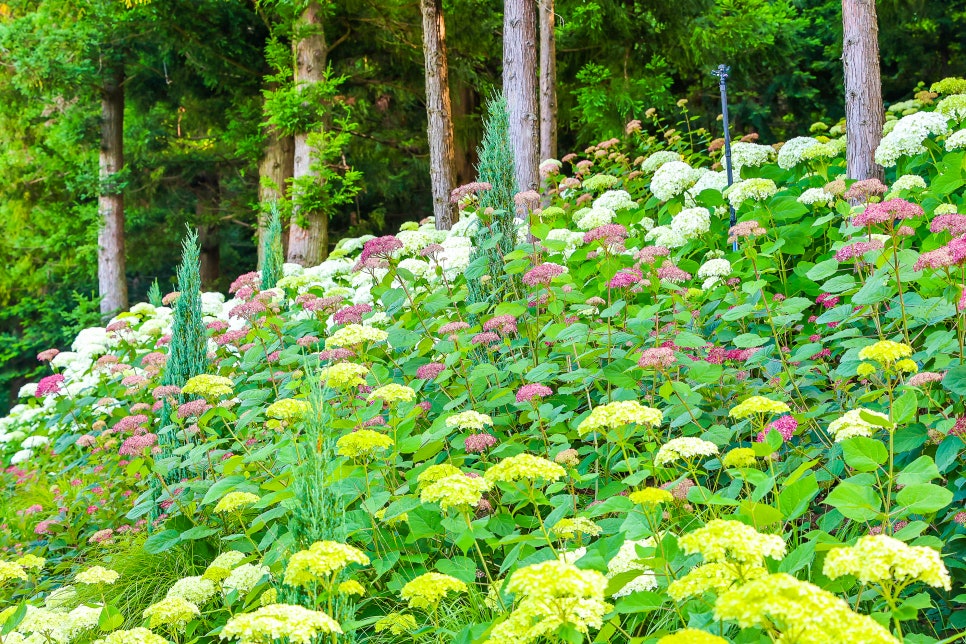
(618, 414)
(236, 501)
(691, 636)
(10, 570)
(428, 589)
(885, 352)
(344, 375)
(31, 562)
(275, 622)
(434, 473)
(352, 335)
(221, 567)
(717, 577)
(721, 541)
(393, 393)
(362, 444)
(524, 467)
(852, 424)
(97, 575)
(455, 491)
(322, 560)
(865, 369)
(209, 386)
(650, 497)
(881, 558)
(351, 587)
(469, 420)
(396, 623)
(288, 409)
(173, 613)
(782, 603)
(196, 590)
(684, 448)
(570, 528)
(758, 405)
(739, 457)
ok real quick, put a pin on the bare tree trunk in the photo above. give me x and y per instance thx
(465, 134)
(520, 87)
(111, 279)
(208, 196)
(548, 82)
(864, 116)
(439, 112)
(274, 171)
(308, 246)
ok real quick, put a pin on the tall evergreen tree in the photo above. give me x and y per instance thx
(272, 250)
(188, 355)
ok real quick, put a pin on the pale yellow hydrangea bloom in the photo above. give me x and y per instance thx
(620, 413)
(852, 424)
(722, 540)
(651, 496)
(468, 420)
(718, 577)
(209, 386)
(396, 623)
(804, 611)
(97, 575)
(196, 590)
(236, 501)
(223, 564)
(758, 405)
(320, 562)
(684, 448)
(354, 334)
(739, 457)
(10, 570)
(351, 587)
(434, 473)
(524, 466)
(691, 636)
(288, 409)
(569, 528)
(137, 635)
(428, 589)
(275, 622)
(885, 352)
(362, 444)
(173, 613)
(31, 562)
(344, 375)
(455, 491)
(393, 393)
(878, 558)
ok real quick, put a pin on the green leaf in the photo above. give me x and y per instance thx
(749, 340)
(689, 340)
(924, 498)
(875, 289)
(823, 269)
(921, 470)
(14, 620)
(460, 567)
(905, 408)
(197, 532)
(643, 601)
(856, 502)
(110, 619)
(794, 499)
(955, 380)
(161, 541)
(864, 454)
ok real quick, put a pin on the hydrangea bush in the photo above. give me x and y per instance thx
(667, 429)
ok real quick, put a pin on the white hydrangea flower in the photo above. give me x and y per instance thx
(907, 136)
(615, 200)
(672, 179)
(594, 218)
(465, 226)
(352, 244)
(243, 578)
(626, 560)
(713, 271)
(956, 141)
(413, 241)
(29, 390)
(756, 189)
(656, 160)
(418, 267)
(814, 196)
(211, 303)
(945, 209)
(456, 254)
(794, 151)
(909, 182)
(21, 456)
(665, 236)
(750, 155)
(91, 342)
(34, 441)
(691, 222)
(953, 107)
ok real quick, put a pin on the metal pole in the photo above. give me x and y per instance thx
(722, 74)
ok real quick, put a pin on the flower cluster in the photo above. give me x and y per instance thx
(618, 414)
(455, 491)
(320, 562)
(524, 467)
(758, 405)
(428, 590)
(684, 448)
(880, 558)
(279, 622)
(362, 444)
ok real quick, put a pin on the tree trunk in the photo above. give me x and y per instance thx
(274, 171)
(209, 239)
(548, 82)
(439, 112)
(308, 246)
(112, 282)
(466, 136)
(864, 115)
(520, 88)
(207, 190)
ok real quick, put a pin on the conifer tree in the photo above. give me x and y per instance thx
(497, 217)
(154, 293)
(272, 250)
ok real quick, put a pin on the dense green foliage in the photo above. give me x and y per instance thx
(652, 437)
(197, 73)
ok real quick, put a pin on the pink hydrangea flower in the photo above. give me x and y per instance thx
(430, 371)
(527, 393)
(49, 385)
(479, 443)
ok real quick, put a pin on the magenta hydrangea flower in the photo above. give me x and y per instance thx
(307, 341)
(351, 314)
(609, 233)
(453, 327)
(659, 358)
(649, 254)
(458, 194)
(939, 258)
(954, 223)
(193, 408)
(49, 385)
(885, 212)
(335, 355)
(925, 377)
(856, 250)
(543, 274)
(430, 371)
(479, 443)
(784, 425)
(827, 300)
(505, 324)
(135, 445)
(625, 277)
(47, 355)
(165, 391)
(865, 188)
(379, 247)
(487, 337)
(252, 280)
(671, 273)
(527, 393)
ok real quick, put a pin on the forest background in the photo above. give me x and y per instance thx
(199, 78)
